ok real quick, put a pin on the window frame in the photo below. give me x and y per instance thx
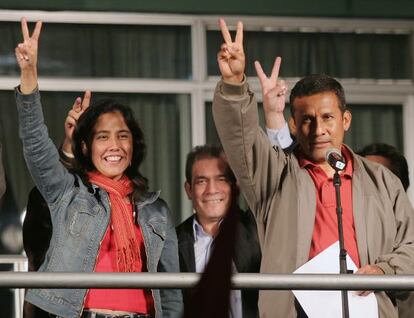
(201, 87)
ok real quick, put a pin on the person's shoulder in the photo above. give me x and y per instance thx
(374, 169)
(154, 207)
(376, 174)
(246, 215)
(247, 220)
(151, 199)
(185, 228)
(187, 223)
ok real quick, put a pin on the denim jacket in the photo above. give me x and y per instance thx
(80, 220)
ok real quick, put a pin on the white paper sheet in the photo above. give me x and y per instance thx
(321, 304)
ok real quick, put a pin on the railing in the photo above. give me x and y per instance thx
(19, 279)
(189, 280)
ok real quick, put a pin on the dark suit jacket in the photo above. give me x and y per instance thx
(247, 256)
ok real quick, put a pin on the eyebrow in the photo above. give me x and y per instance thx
(107, 131)
(207, 177)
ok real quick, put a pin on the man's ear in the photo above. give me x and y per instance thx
(347, 118)
(84, 148)
(187, 188)
(292, 125)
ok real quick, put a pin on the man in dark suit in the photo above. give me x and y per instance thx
(211, 186)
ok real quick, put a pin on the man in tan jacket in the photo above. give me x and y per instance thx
(291, 193)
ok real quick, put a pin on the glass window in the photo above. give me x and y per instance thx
(211, 133)
(88, 50)
(343, 55)
(374, 124)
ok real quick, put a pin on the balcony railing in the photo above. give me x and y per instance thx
(20, 279)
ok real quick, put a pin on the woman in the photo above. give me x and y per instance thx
(103, 218)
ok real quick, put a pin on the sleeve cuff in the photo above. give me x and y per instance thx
(387, 269)
(232, 89)
(280, 137)
(67, 154)
(18, 91)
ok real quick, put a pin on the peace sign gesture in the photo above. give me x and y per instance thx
(26, 52)
(78, 108)
(231, 57)
(273, 91)
(26, 55)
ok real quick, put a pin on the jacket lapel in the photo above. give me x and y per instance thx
(242, 243)
(306, 199)
(186, 246)
(360, 203)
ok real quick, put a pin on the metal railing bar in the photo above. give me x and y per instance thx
(189, 280)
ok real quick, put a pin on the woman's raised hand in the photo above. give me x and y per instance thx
(26, 55)
(78, 108)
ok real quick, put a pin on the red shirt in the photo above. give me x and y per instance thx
(325, 230)
(130, 300)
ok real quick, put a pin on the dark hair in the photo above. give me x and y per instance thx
(315, 84)
(397, 161)
(206, 152)
(83, 135)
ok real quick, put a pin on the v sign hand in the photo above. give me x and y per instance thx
(274, 92)
(26, 55)
(78, 108)
(231, 57)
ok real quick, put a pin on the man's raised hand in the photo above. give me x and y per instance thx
(273, 88)
(274, 92)
(231, 57)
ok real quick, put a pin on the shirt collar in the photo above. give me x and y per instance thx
(198, 229)
(307, 164)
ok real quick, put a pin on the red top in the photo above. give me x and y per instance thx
(325, 230)
(130, 300)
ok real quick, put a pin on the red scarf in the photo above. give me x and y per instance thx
(127, 248)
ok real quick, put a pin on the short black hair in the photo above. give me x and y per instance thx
(206, 152)
(399, 165)
(315, 84)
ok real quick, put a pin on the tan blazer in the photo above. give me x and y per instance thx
(282, 197)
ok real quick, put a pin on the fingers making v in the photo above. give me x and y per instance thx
(275, 70)
(25, 30)
(86, 100)
(273, 76)
(227, 36)
(225, 32)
